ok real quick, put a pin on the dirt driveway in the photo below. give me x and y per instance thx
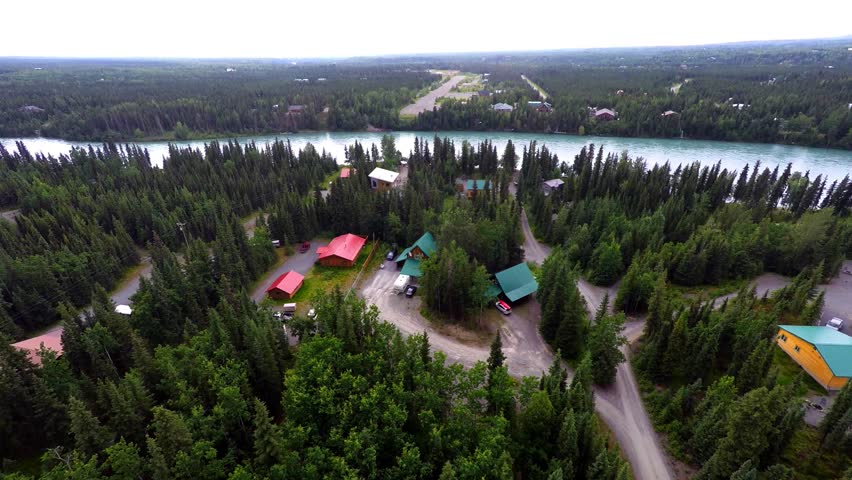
(427, 102)
(526, 353)
(534, 251)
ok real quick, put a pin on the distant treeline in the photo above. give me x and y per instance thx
(85, 101)
(770, 104)
(784, 92)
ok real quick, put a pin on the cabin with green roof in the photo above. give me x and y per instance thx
(473, 186)
(411, 257)
(824, 353)
(517, 282)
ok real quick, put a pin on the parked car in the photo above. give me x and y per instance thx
(504, 307)
(276, 243)
(410, 291)
(305, 247)
(835, 324)
(278, 316)
(391, 255)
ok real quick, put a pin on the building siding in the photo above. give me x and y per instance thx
(810, 360)
(381, 186)
(334, 261)
(279, 294)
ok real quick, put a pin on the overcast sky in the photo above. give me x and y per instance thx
(322, 28)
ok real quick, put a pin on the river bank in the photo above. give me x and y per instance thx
(733, 155)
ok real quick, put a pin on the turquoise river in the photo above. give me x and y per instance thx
(833, 163)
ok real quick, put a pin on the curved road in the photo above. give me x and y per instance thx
(620, 404)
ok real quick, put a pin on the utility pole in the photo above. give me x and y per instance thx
(180, 225)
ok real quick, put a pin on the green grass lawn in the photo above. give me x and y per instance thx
(326, 279)
(324, 184)
(788, 371)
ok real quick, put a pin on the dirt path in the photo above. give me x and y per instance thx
(535, 87)
(10, 215)
(534, 251)
(427, 102)
(594, 294)
(765, 283)
(620, 406)
(250, 224)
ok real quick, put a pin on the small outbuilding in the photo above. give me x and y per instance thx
(824, 353)
(473, 186)
(341, 251)
(286, 285)
(382, 180)
(550, 186)
(50, 340)
(517, 282)
(604, 114)
(345, 172)
(541, 107)
(502, 107)
(669, 113)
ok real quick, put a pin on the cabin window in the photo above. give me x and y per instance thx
(796, 348)
(783, 337)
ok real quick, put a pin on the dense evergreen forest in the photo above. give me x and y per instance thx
(83, 215)
(710, 373)
(111, 100)
(202, 383)
(796, 93)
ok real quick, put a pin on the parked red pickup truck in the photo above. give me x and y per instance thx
(305, 247)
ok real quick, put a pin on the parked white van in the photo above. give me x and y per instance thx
(400, 283)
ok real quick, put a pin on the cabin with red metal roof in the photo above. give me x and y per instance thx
(344, 173)
(286, 285)
(342, 251)
(51, 340)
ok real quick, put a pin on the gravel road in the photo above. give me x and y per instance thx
(525, 350)
(534, 251)
(620, 404)
(427, 102)
(838, 298)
